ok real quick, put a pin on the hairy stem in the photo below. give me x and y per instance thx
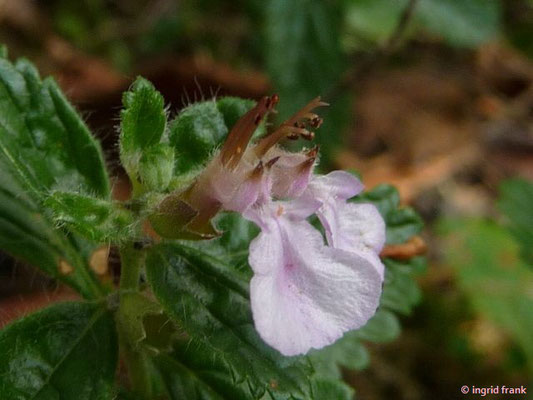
(132, 261)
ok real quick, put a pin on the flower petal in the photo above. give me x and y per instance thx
(307, 295)
(291, 180)
(354, 227)
(335, 185)
(245, 195)
(351, 226)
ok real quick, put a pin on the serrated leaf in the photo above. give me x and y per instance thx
(44, 142)
(134, 308)
(347, 351)
(332, 390)
(400, 291)
(67, 351)
(489, 271)
(95, 219)
(142, 126)
(44, 146)
(220, 349)
(516, 202)
(143, 119)
(403, 224)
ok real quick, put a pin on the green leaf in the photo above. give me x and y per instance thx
(498, 284)
(143, 119)
(304, 60)
(156, 167)
(142, 126)
(195, 133)
(466, 23)
(220, 355)
(400, 292)
(516, 202)
(95, 219)
(331, 390)
(402, 223)
(372, 20)
(347, 351)
(135, 308)
(232, 108)
(201, 128)
(26, 233)
(383, 327)
(232, 246)
(67, 351)
(385, 197)
(43, 140)
(44, 146)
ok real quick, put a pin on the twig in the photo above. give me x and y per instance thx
(386, 49)
(413, 247)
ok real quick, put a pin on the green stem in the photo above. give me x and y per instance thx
(132, 261)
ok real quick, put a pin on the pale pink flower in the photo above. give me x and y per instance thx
(306, 291)
(305, 294)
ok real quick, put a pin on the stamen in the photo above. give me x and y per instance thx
(271, 162)
(242, 132)
(293, 127)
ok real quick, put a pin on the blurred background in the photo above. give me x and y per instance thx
(432, 96)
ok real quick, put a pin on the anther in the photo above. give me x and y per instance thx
(308, 135)
(307, 163)
(258, 170)
(316, 122)
(294, 125)
(271, 162)
(313, 152)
